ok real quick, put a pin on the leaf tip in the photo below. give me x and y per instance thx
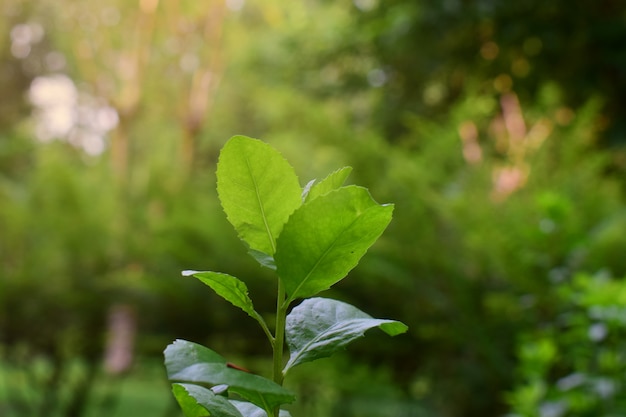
(394, 328)
(188, 272)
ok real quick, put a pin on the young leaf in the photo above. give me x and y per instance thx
(189, 362)
(263, 258)
(228, 287)
(331, 182)
(319, 327)
(196, 401)
(251, 410)
(258, 190)
(325, 238)
(233, 290)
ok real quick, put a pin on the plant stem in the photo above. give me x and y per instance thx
(279, 338)
(263, 325)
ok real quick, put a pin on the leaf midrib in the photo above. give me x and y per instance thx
(241, 294)
(304, 348)
(259, 200)
(293, 296)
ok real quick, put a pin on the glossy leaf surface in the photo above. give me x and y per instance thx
(190, 362)
(251, 410)
(197, 401)
(319, 327)
(325, 238)
(258, 190)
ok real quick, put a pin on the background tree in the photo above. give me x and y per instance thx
(494, 127)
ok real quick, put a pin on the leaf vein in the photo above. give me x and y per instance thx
(321, 258)
(261, 208)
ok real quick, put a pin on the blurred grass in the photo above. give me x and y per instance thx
(142, 392)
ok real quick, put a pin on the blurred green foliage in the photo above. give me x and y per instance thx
(494, 127)
(573, 364)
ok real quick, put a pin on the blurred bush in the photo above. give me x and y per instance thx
(573, 363)
(504, 185)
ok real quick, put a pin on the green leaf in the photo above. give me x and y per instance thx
(326, 237)
(196, 401)
(330, 183)
(234, 291)
(263, 258)
(319, 327)
(251, 410)
(228, 287)
(190, 362)
(258, 190)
